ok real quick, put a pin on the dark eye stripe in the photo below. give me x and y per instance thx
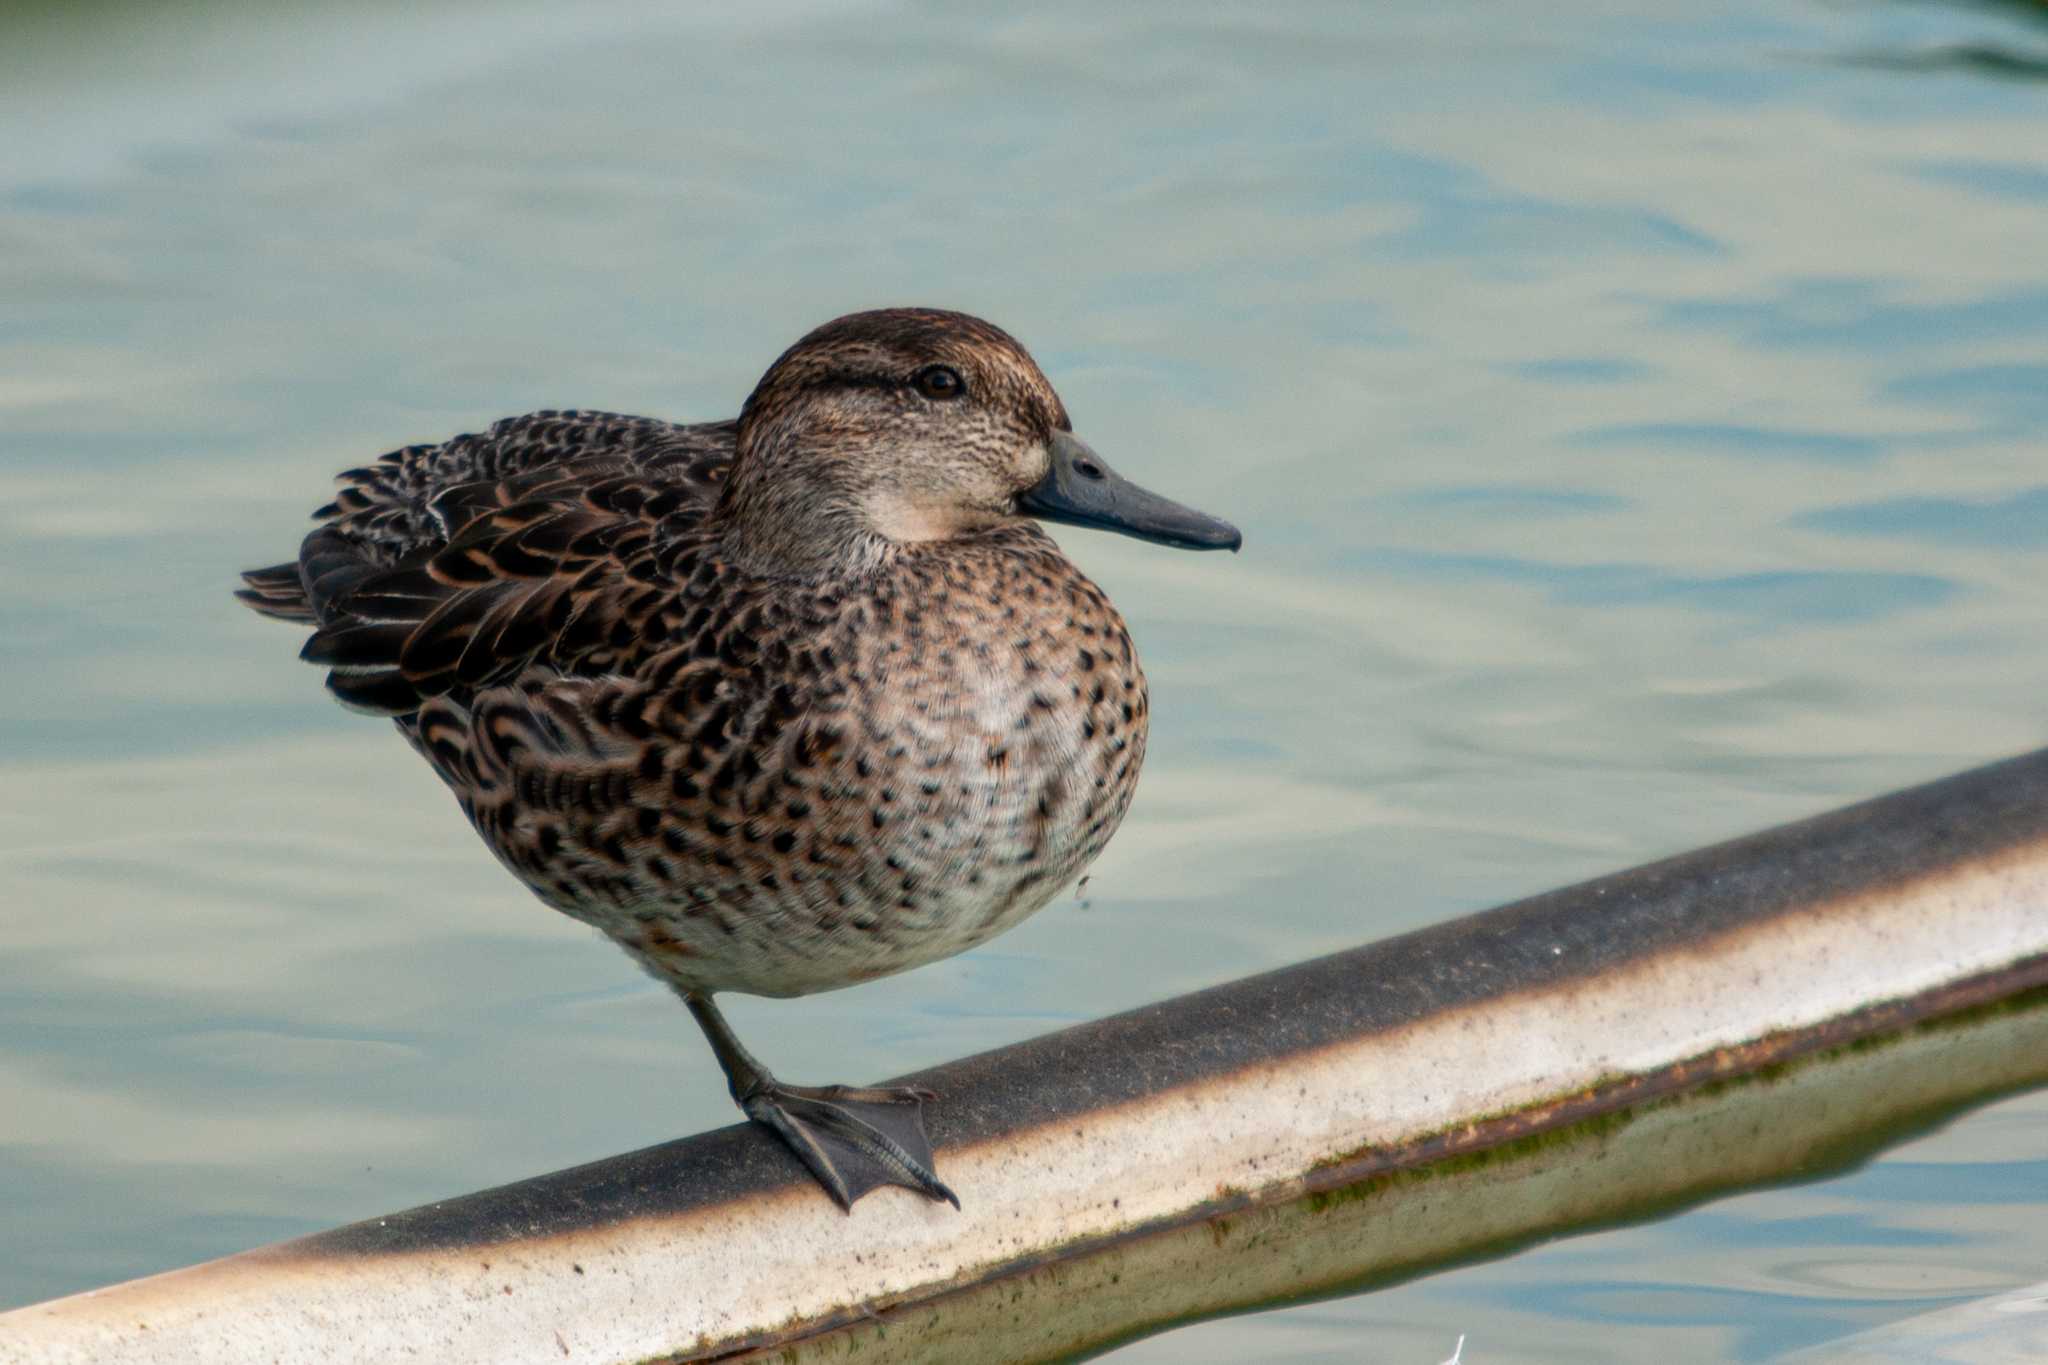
(950, 387)
(855, 379)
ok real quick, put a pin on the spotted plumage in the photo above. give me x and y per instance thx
(780, 704)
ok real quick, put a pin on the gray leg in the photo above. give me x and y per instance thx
(852, 1140)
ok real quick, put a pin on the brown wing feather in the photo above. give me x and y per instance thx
(415, 498)
(571, 579)
(558, 538)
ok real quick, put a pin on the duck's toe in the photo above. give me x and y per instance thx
(853, 1140)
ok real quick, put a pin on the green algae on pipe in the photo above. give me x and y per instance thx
(1713, 1019)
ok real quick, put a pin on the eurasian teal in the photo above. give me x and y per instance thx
(781, 704)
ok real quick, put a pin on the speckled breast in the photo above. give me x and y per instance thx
(854, 783)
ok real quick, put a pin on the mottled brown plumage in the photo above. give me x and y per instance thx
(779, 705)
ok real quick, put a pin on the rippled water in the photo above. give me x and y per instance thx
(1635, 415)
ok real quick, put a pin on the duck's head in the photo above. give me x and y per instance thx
(908, 425)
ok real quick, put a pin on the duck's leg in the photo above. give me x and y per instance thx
(853, 1140)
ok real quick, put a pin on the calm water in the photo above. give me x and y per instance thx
(1635, 417)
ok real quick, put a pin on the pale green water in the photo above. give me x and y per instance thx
(1635, 414)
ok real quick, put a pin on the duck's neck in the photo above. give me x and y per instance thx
(815, 526)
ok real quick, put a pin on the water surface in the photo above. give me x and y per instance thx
(1635, 417)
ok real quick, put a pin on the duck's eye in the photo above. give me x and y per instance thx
(940, 382)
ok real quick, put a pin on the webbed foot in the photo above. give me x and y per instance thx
(853, 1140)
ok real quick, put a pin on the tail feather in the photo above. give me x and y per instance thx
(347, 647)
(333, 566)
(277, 592)
(375, 691)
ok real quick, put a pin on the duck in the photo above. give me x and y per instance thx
(779, 704)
